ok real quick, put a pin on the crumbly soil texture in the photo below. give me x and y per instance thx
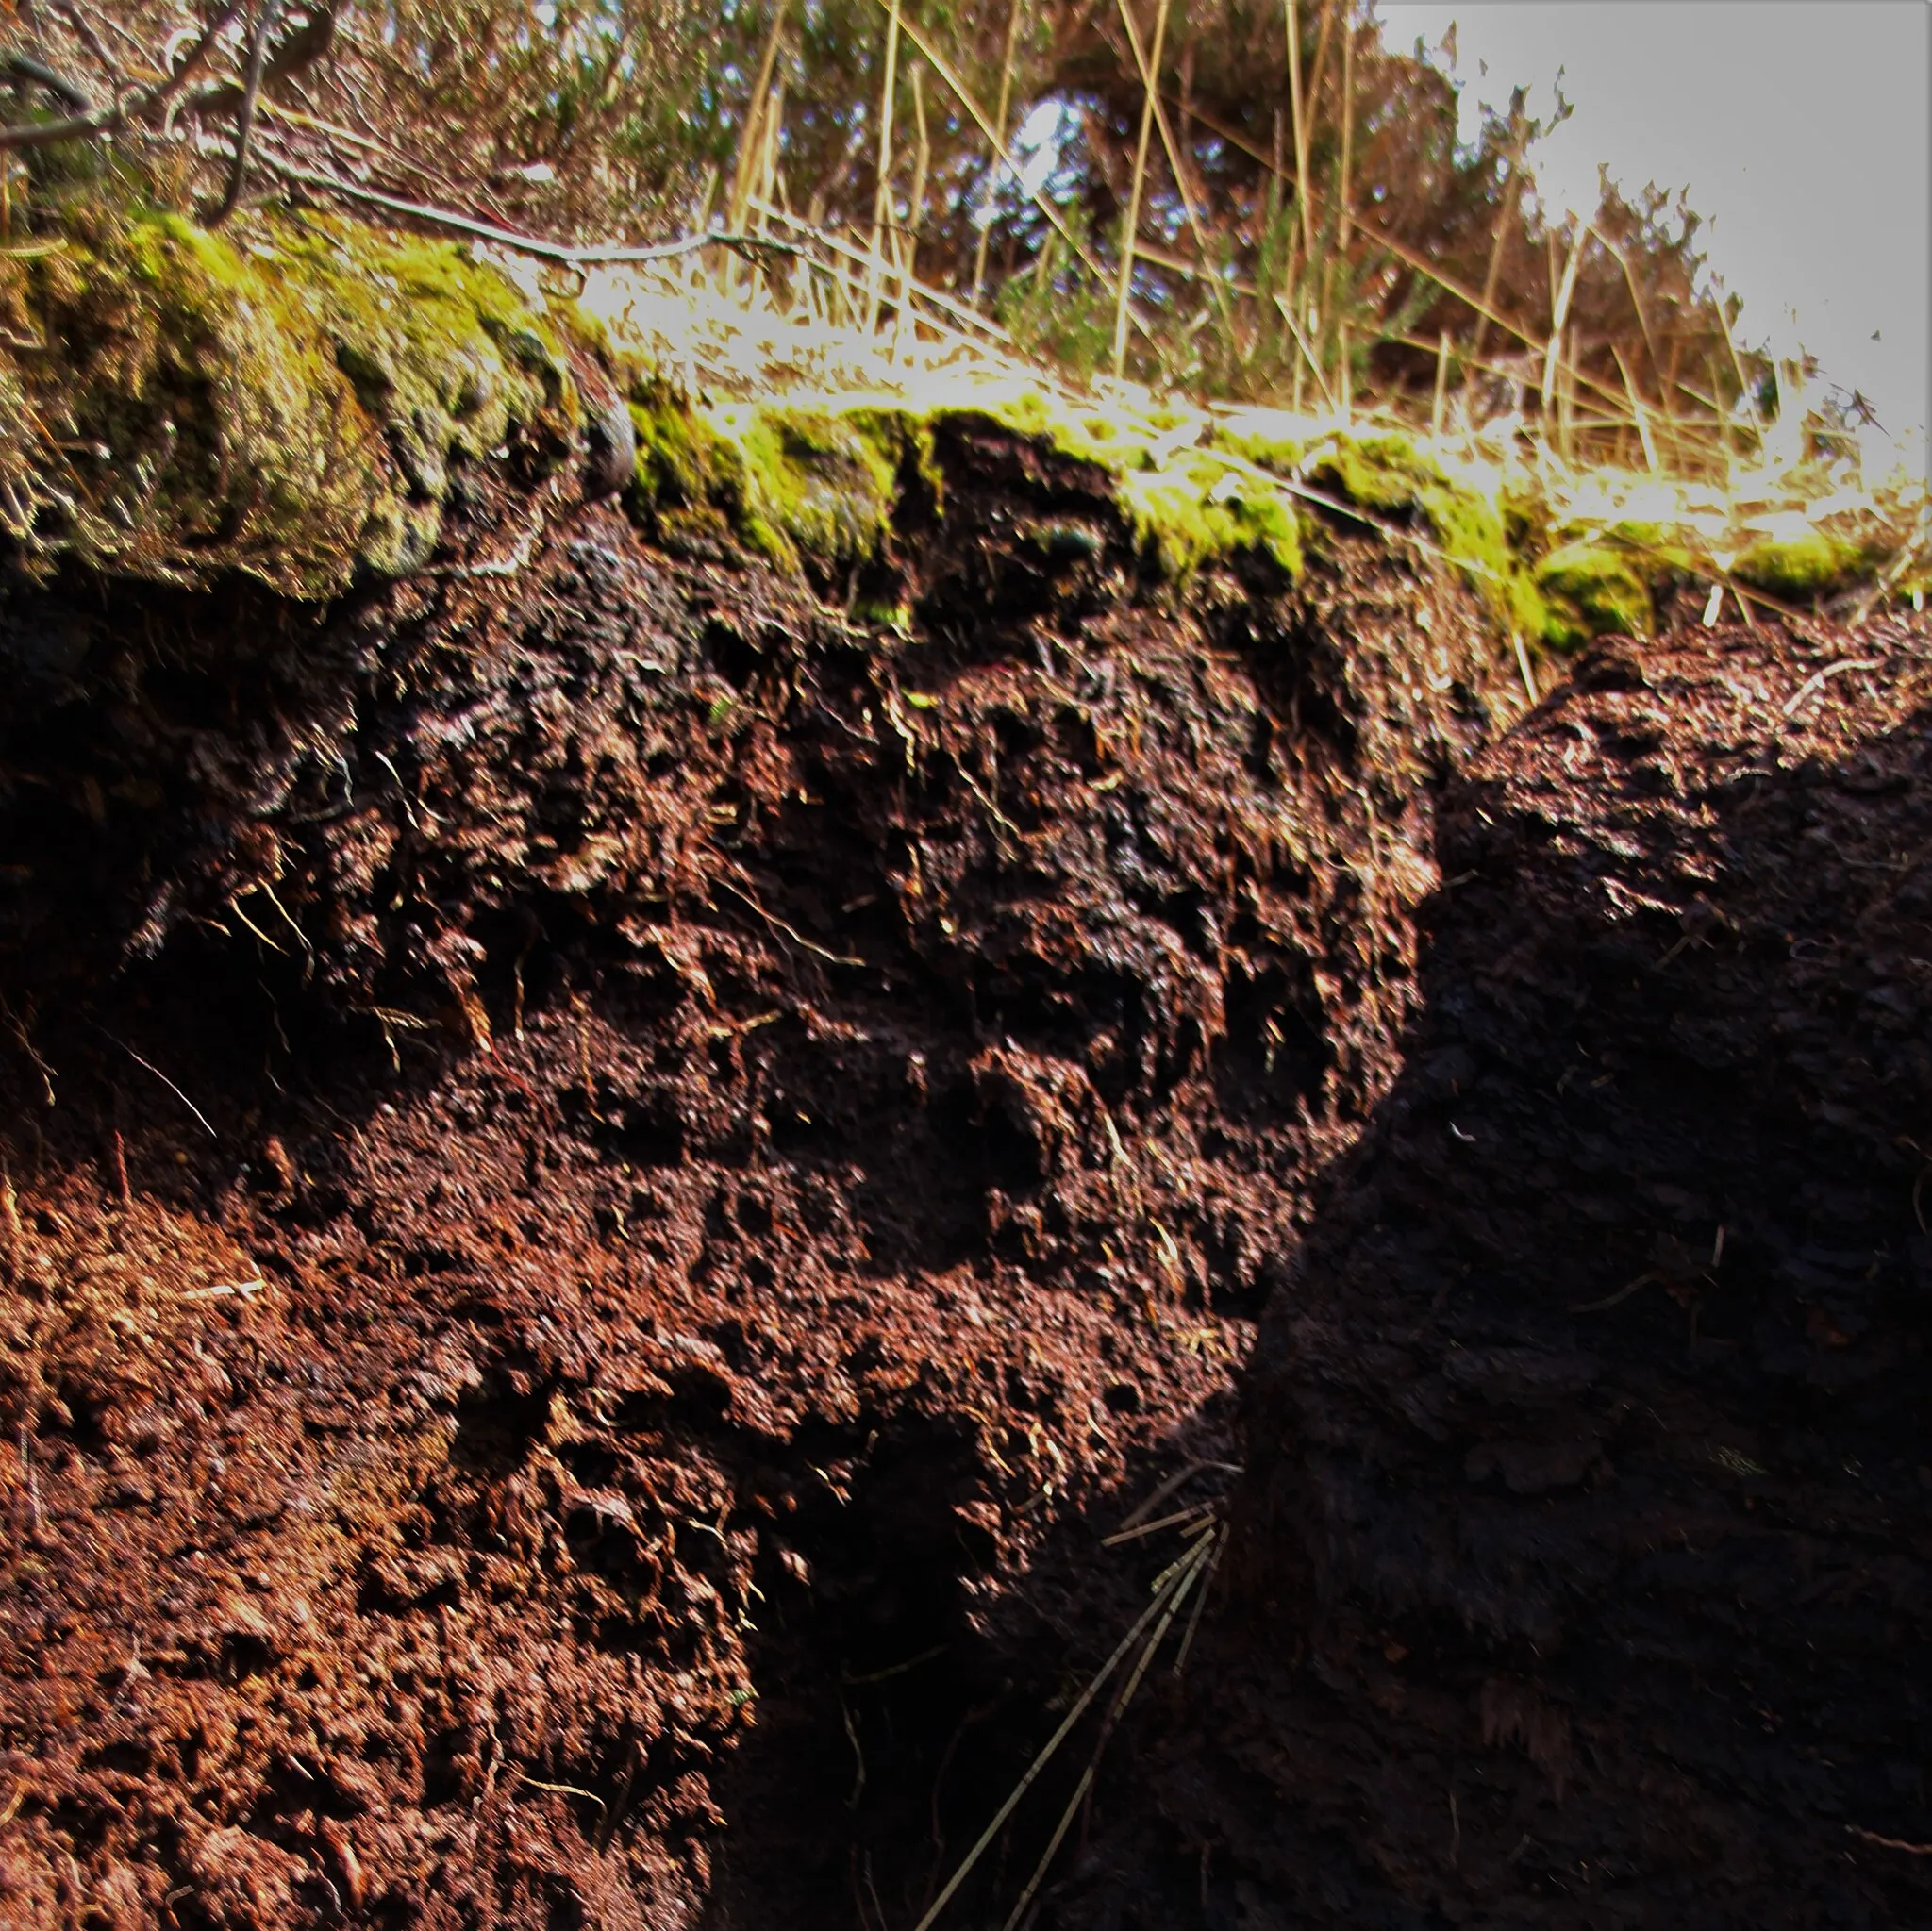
(618, 1178)
(1582, 1568)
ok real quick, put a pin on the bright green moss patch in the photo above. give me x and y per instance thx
(1798, 568)
(1115, 439)
(1275, 446)
(296, 397)
(1390, 476)
(284, 398)
(1197, 509)
(792, 482)
(1592, 590)
(813, 483)
(1381, 472)
(1655, 549)
(1190, 504)
(689, 477)
(820, 484)
(1598, 581)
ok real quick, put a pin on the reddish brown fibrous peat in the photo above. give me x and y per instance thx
(612, 1177)
(680, 1154)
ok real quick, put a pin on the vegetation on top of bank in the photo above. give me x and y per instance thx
(297, 396)
(284, 398)
(201, 371)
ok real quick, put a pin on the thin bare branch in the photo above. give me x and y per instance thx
(525, 245)
(26, 68)
(1015, 13)
(244, 121)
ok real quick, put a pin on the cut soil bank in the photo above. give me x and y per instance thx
(1583, 1570)
(614, 1179)
(609, 1174)
(633, 1184)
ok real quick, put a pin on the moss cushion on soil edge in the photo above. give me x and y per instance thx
(822, 481)
(284, 398)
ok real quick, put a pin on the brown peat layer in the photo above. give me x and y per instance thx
(1580, 1572)
(614, 1179)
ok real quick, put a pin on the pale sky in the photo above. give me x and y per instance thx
(1800, 127)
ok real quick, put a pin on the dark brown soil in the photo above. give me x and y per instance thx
(1583, 1569)
(610, 1178)
(613, 1180)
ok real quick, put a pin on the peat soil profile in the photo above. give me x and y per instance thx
(1580, 1572)
(615, 1176)
(612, 1176)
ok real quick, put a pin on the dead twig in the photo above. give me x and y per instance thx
(882, 192)
(511, 565)
(221, 1291)
(1622, 1294)
(1817, 681)
(796, 937)
(299, 52)
(1014, 15)
(601, 257)
(1220, 1539)
(84, 32)
(244, 119)
(858, 1755)
(32, 1480)
(563, 1790)
(885, 1674)
(10, 1213)
(1130, 221)
(201, 1118)
(1889, 1843)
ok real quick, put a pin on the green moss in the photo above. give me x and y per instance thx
(905, 438)
(1655, 549)
(814, 482)
(1384, 473)
(822, 484)
(791, 483)
(687, 473)
(284, 398)
(590, 333)
(1801, 566)
(1597, 580)
(1197, 507)
(1593, 589)
(1188, 505)
(1117, 440)
(1273, 453)
(1389, 475)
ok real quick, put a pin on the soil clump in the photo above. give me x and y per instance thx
(1580, 1571)
(610, 1173)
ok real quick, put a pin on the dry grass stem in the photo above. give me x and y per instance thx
(1161, 1606)
(1016, 13)
(1131, 221)
(882, 195)
(1299, 116)
(1196, 1565)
